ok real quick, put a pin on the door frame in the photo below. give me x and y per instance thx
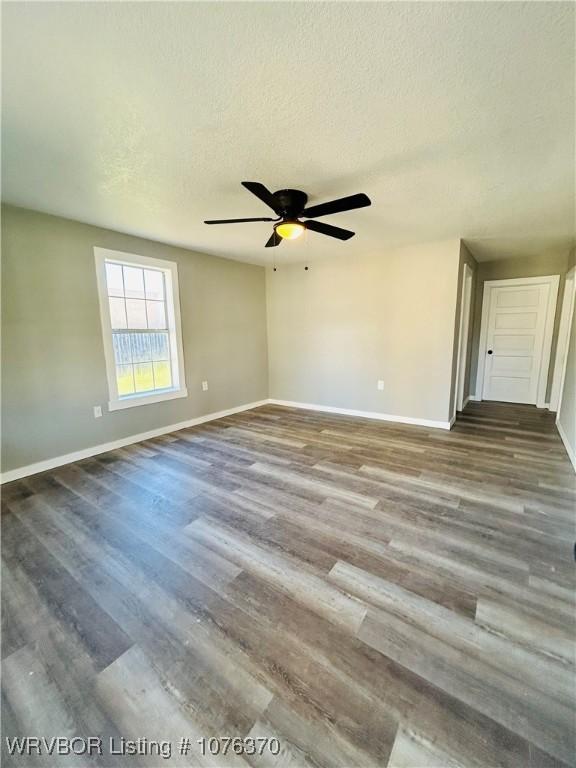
(553, 281)
(561, 358)
(465, 308)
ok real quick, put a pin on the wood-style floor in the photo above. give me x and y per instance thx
(367, 593)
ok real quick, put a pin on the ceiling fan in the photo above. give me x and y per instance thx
(289, 205)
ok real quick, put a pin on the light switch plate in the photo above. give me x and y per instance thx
(97, 411)
(380, 385)
(205, 386)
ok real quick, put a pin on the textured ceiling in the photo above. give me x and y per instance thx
(457, 119)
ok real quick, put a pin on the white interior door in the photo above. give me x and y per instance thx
(518, 336)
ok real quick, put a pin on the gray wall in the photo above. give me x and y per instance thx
(324, 336)
(53, 369)
(336, 329)
(505, 269)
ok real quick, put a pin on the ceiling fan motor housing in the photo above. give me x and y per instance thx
(290, 202)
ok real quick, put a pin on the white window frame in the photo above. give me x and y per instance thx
(170, 270)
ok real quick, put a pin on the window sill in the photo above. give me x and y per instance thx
(156, 397)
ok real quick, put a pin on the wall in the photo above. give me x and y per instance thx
(505, 269)
(345, 323)
(333, 331)
(566, 419)
(53, 369)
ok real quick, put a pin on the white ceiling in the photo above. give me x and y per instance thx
(457, 119)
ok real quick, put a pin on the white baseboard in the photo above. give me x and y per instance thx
(466, 401)
(570, 450)
(85, 453)
(58, 461)
(364, 414)
(69, 458)
(474, 399)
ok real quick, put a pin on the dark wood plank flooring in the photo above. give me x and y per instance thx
(369, 594)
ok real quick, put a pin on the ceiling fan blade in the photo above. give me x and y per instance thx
(337, 206)
(274, 240)
(261, 192)
(328, 229)
(234, 221)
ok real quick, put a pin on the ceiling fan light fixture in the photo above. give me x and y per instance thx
(290, 230)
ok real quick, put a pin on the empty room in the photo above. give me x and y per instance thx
(288, 460)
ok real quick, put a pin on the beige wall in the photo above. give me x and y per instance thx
(53, 369)
(505, 269)
(337, 328)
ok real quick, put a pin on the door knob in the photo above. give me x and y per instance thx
(489, 351)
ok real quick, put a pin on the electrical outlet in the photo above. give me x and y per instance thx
(205, 386)
(97, 411)
(380, 385)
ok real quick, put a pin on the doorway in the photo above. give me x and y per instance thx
(563, 340)
(465, 306)
(516, 339)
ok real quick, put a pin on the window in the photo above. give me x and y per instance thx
(140, 313)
